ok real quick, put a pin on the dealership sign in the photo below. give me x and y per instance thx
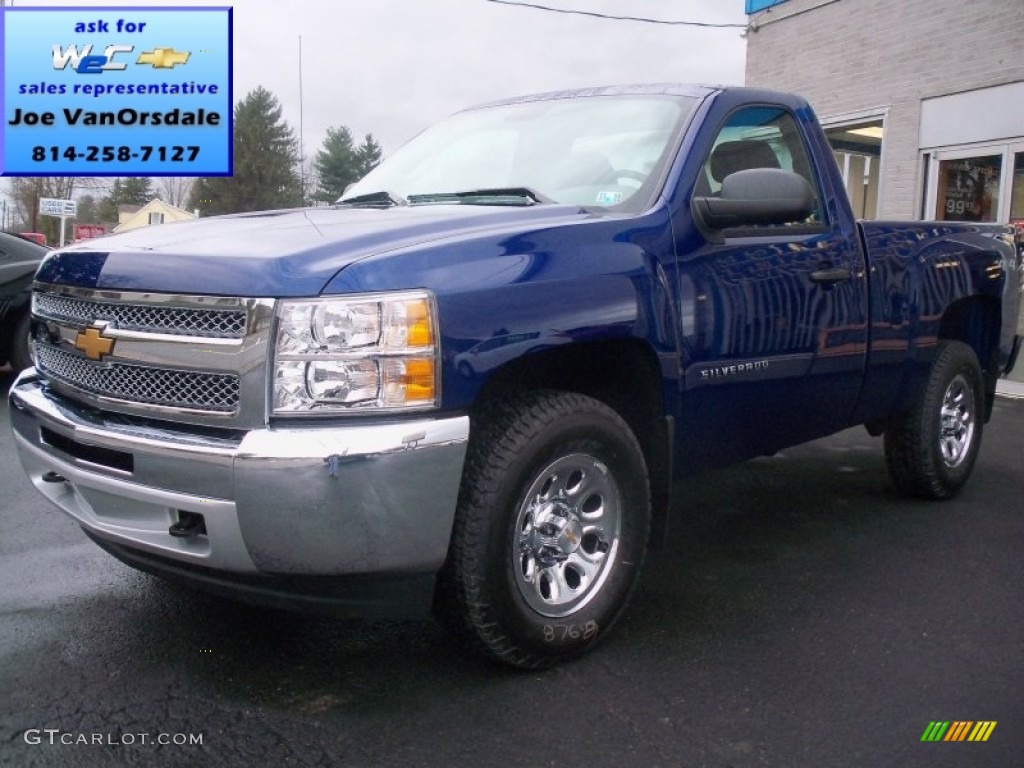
(51, 206)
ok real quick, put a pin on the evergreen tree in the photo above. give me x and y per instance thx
(106, 210)
(88, 210)
(336, 164)
(368, 155)
(132, 190)
(265, 157)
(136, 190)
(340, 162)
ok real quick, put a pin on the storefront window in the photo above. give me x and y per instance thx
(858, 150)
(969, 189)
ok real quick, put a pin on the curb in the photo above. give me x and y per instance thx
(1011, 389)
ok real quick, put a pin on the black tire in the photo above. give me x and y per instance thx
(550, 532)
(931, 449)
(20, 358)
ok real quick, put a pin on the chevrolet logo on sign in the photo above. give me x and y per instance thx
(163, 58)
(94, 344)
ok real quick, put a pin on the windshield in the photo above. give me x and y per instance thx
(600, 151)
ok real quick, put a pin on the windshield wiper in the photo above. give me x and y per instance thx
(380, 199)
(488, 196)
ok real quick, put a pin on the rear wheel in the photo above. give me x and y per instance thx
(551, 529)
(931, 449)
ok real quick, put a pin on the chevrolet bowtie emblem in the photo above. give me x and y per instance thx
(163, 58)
(93, 343)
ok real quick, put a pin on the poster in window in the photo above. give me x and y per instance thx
(969, 189)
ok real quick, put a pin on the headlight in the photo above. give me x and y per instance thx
(371, 352)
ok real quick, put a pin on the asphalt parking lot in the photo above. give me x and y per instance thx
(802, 613)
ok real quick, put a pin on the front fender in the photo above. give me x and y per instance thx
(504, 297)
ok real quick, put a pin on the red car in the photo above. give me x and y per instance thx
(36, 237)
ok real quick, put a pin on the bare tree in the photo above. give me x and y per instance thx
(26, 191)
(175, 190)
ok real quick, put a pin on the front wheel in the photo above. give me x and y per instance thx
(931, 449)
(551, 529)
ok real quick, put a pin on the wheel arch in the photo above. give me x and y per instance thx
(625, 375)
(975, 321)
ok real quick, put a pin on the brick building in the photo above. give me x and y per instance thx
(923, 100)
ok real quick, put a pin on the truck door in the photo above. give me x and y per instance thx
(773, 317)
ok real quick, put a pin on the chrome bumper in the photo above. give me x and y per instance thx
(301, 501)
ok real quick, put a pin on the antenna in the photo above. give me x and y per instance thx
(302, 157)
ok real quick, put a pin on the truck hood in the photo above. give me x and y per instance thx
(277, 253)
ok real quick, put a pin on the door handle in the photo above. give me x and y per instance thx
(830, 276)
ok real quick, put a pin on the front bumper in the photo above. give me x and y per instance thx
(358, 500)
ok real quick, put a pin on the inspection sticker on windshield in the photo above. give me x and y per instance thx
(608, 198)
(129, 91)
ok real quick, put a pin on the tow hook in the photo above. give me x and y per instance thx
(189, 524)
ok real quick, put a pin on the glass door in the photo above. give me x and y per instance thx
(983, 183)
(1017, 192)
(1016, 218)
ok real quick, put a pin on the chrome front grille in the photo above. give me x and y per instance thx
(131, 382)
(176, 357)
(146, 318)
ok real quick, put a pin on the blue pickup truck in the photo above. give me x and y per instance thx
(478, 383)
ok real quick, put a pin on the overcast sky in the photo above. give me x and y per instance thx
(393, 67)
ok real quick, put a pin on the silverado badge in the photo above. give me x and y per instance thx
(94, 344)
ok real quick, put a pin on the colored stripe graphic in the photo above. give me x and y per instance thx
(982, 730)
(958, 730)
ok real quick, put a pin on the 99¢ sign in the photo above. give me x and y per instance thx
(116, 91)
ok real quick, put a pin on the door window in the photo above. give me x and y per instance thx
(759, 137)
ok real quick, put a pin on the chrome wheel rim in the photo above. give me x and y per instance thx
(566, 535)
(957, 421)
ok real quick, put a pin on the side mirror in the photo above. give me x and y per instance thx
(755, 196)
